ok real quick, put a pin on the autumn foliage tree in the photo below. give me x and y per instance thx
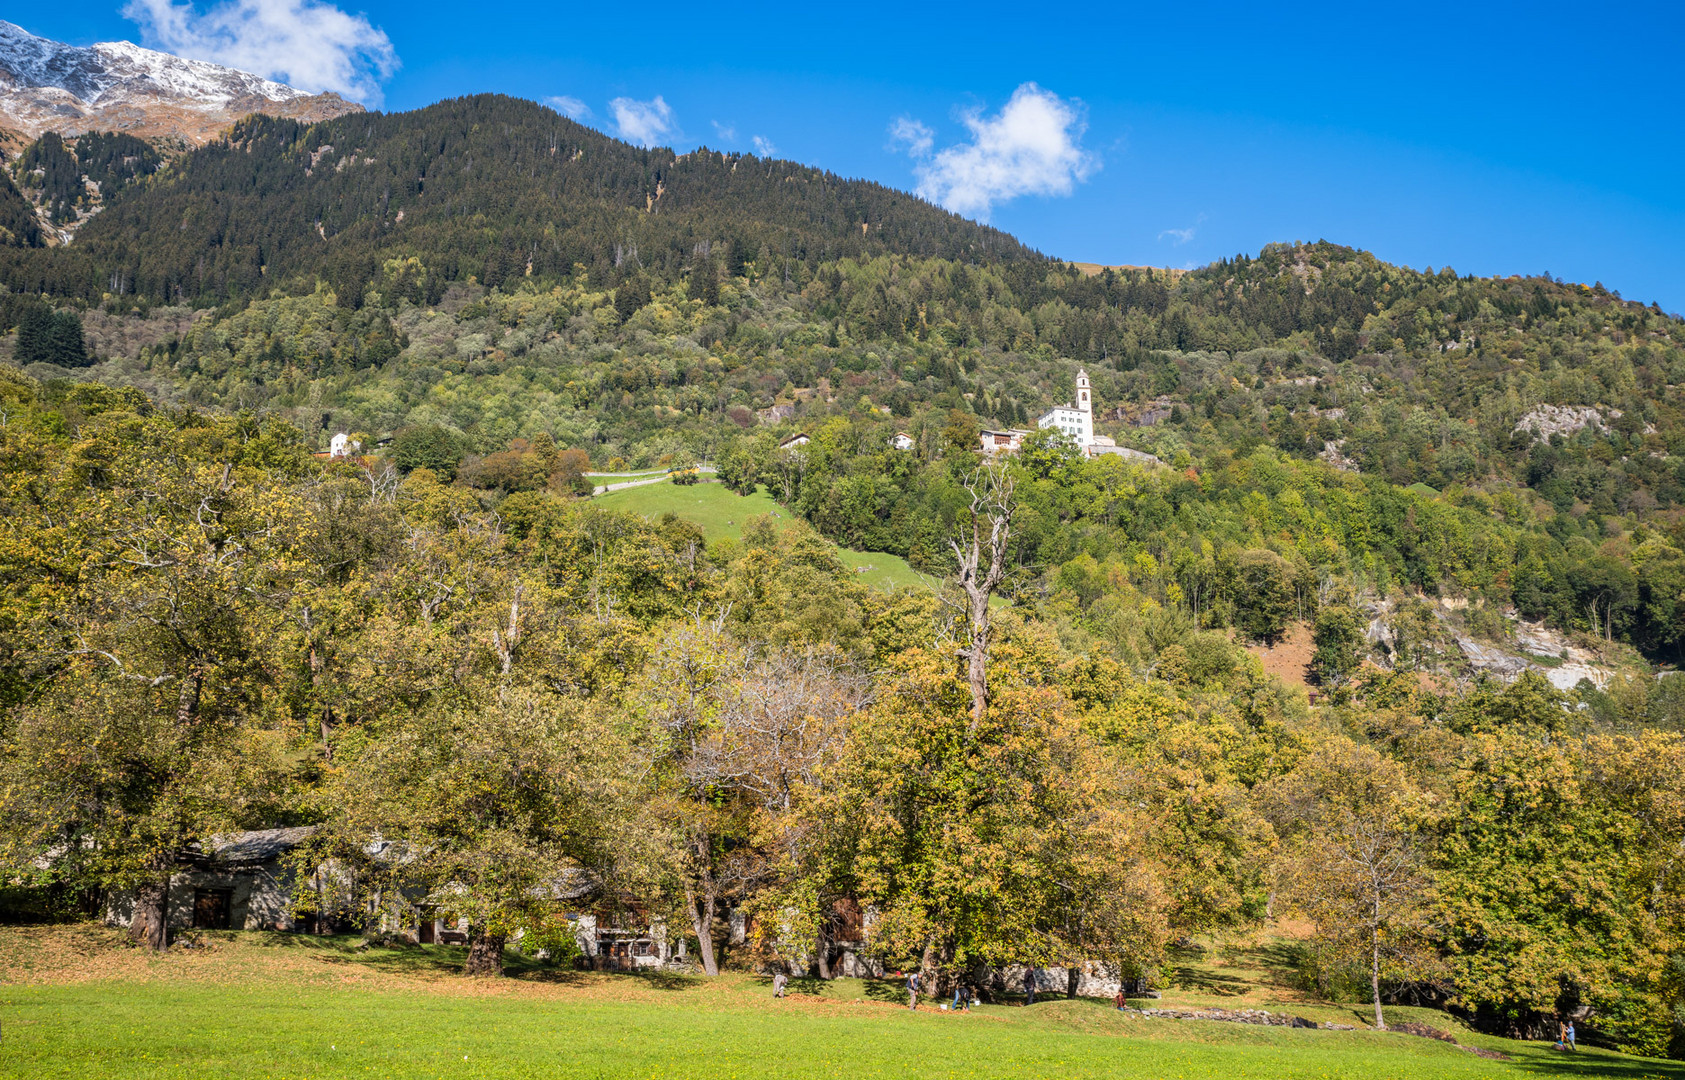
(993, 840)
(1354, 863)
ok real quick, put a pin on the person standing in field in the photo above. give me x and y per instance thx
(913, 991)
(1119, 1000)
(779, 982)
(1570, 1036)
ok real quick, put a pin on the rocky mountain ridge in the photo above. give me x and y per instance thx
(47, 85)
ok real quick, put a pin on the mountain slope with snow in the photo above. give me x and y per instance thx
(118, 86)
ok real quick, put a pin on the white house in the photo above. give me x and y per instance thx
(901, 441)
(798, 439)
(343, 445)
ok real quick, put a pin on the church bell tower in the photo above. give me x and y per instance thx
(1085, 406)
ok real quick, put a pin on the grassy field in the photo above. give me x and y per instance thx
(76, 1002)
(722, 513)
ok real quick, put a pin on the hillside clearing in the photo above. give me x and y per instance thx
(721, 513)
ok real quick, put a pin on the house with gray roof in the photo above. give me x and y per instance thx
(235, 881)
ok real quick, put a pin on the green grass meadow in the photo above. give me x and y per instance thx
(76, 1003)
(721, 514)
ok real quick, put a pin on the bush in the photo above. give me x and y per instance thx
(555, 936)
(1339, 642)
(1265, 600)
(428, 446)
(569, 474)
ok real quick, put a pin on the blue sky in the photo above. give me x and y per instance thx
(1496, 138)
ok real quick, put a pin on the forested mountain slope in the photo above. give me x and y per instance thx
(489, 186)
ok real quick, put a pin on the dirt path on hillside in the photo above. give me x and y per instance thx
(1290, 659)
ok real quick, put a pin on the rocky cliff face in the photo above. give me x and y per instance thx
(117, 86)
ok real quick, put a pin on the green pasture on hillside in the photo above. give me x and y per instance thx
(722, 513)
(681, 1027)
(77, 1003)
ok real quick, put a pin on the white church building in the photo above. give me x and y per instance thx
(1076, 421)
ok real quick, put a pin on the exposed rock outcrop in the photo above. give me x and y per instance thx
(1548, 420)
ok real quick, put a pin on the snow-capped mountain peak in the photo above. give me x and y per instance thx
(190, 78)
(46, 85)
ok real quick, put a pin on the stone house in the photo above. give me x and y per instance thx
(237, 881)
(999, 442)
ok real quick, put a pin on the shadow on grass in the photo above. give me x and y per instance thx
(1281, 961)
(400, 959)
(1534, 1057)
(1183, 977)
(890, 990)
(1541, 1060)
(799, 984)
(670, 981)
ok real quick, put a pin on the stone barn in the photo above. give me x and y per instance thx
(239, 883)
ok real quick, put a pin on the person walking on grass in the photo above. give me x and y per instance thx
(779, 982)
(913, 991)
(1119, 1000)
(1569, 1035)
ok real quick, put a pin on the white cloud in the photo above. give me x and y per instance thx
(570, 107)
(1033, 146)
(727, 132)
(646, 123)
(1179, 237)
(305, 43)
(764, 147)
(917, 138)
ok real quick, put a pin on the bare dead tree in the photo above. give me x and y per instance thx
(980, 553)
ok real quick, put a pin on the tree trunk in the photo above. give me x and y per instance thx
(823, 944)
(977, 656)
(187, 701)
(1375, 977)
(702, 921)
(150, 925)
(485, 952)
(1073, 980)
(981, 566)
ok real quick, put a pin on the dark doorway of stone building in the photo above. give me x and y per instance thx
(211, 908)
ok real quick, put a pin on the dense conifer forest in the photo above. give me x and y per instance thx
(1447, 489)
